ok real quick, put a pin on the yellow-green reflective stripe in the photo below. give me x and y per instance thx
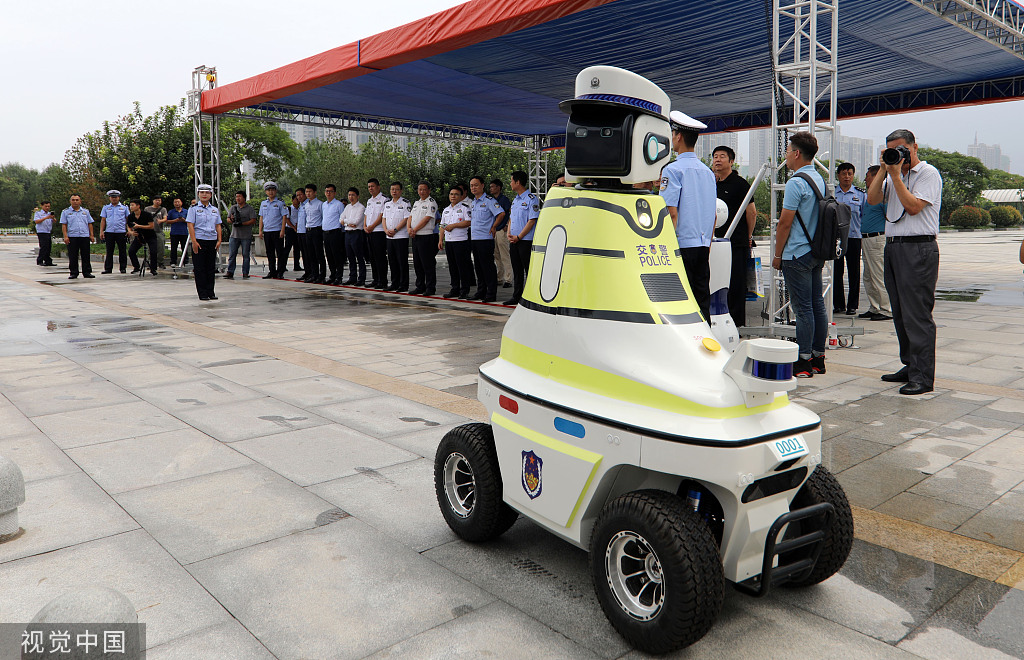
(612, 386)
(556, 445)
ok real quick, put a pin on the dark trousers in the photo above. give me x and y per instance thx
(803, 281)
(852, 258)
(355, 241)
(205, 267)
(424, 262)
(911, 272)
(486, 270)
(45, 245)
(398, 259)
(302, 247)
(379, 257)
(115, 239)
(315, 266)
(698, 274)
(78, 247)
(519, 253)
(275, 260)
(176, 242)
(133, 251)
(291, 245)
(334, 249)
(460, 265)
(738, 284)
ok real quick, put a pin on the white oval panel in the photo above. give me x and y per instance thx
(551, 272)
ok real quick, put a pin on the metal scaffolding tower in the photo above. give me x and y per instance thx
(804, 43)
(1000, 22)
(205, 152)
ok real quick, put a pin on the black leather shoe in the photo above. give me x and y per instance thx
(361, 283)
(511, 302)
(72, 277)
(489, 299)
(878, 316)
(213, 298)
(866, 315)
(418, 291)
(430, 293)
(452, 294)
(203, 298)
(106, 272)
(915, 388)
(851, 312)
(901, 376)
(229, 276)
(479, 295)
(349, 282)
(89, 276)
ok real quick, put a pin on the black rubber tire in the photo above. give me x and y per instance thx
(693, 579)
(489, 516)
(822, 486)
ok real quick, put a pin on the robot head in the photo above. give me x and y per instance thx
(721, 213)
(618, 127)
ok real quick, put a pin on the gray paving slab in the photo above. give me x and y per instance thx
(1001, 522)
(496, 630)
(1006, 452)
(13, 422)
(969, 484)
(973, 429)
(846, 450)
(316, 391)
(371, 495)
(342, 591)
(29, 363)
(385, 416)
(211, 514)
(880, 593)
(261, 372)
(216, 353)
(124, 465)
(91, 426)
(1010, 410)
(249, 419)
(145, 376)
(168, 600)
(424, 442)
(37, 456)
(200, 393)
(46, 377)
(538, 573)
(980, 622)
(313, 455)
(62, 511)
(68, 397)
(228, 640)
(929, 511)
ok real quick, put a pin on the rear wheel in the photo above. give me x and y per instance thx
(656, 570)
(467, 481)
(822, 486)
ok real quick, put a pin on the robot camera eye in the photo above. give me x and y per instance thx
(606, 132)
(581, 132)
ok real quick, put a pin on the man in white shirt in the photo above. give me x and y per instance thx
(396, 214)
(355, 239)
(373, 225)
(424, 244)
(334, 242)
(912, 191)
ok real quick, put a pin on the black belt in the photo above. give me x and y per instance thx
(910, 239)
(872, 234)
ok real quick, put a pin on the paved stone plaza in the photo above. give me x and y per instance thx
(255, 475)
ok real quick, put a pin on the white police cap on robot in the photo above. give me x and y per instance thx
(682, 120)
(614, 85)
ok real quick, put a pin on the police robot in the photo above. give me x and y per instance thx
(616, 419)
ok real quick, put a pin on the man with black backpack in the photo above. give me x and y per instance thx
(796, 232)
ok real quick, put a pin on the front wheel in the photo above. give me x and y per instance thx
(467, 481)
(822, 486)
(656, 570)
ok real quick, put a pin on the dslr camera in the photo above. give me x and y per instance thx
(896, 155)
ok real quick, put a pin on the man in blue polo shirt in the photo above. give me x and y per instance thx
(179, 229)
(316, 269)
(689, 190)
(272, 214)
(487, 215)
(43, 220)
(76, 225)
(114, 230)
(334, 241)
(800, 269)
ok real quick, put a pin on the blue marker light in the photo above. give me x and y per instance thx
(569, 427)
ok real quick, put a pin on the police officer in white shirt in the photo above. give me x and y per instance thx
(397, 213)
(376, 245)
(76, 225)
(334, 242)
(355, 239)
(204, 232)
(424, 245)
(912, 190)
(454, 239)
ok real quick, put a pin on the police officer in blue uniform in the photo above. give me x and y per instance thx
(76, 225)
(114, 230)
(525, 209)
(204, 232)
(487, 214)
(43, 220)
(689, 189)
(272, 212)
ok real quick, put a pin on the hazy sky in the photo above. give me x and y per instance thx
(71, 65)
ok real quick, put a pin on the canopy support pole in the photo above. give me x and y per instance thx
(205, 151)
(538, 166)
(804, 43)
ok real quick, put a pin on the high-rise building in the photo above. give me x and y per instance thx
(990, 155)
(706, 144)
(859, 151)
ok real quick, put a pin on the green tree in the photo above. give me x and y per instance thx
(963, 178)
(1000, 180)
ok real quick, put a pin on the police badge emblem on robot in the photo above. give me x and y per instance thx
(532, 467)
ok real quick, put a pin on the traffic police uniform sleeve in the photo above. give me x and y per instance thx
(534, 208)
(671, 186)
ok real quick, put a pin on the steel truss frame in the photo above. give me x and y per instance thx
(205, 153)
(1000, 22)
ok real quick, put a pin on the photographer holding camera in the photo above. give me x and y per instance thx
(912, 192)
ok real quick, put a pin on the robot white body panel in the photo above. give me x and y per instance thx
(722, 324)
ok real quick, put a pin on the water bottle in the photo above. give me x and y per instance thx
(833, 335)
(693, 499)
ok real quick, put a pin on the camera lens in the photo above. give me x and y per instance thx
(891, 156)
(606, 132)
